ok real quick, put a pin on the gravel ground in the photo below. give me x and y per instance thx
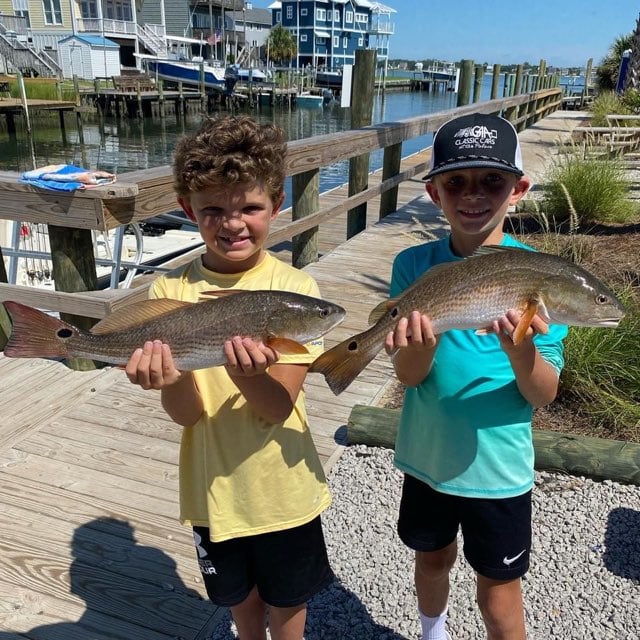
(584, 580)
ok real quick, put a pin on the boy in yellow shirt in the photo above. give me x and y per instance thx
(251, 483)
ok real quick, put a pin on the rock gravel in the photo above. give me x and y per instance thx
(584, 580)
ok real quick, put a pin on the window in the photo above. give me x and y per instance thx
(89, 9)
(303, 37)
(336, 16)
(345, 42)
(360, 41)
(52, 11)
(348, 17)
(289, 12)
(278, 17)
(362, 17)
(304, 12)
(336, 42)
(321, 14)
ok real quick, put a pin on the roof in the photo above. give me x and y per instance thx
(94, 41)
(257, 16)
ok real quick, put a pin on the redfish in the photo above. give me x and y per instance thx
(474, 292)
(195, 332)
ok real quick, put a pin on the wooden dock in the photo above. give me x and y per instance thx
(89, 539)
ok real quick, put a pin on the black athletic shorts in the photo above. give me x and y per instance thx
(288, 567)
(496, 532)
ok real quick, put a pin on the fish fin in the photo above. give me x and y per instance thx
(525, 321)
(483, 332)
(221, 293)
(342, 364)
(486, 249)
(137, 313)
(286, 346)
(34, 334)
(381, 309)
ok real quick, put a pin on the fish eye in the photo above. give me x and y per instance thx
(324, 312)
(394, 312)
(602, 299)
(64, 333)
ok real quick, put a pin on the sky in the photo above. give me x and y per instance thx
(565, 33)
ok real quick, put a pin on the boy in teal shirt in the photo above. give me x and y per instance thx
(464, 441)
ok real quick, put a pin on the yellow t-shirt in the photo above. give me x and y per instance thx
(239, 475)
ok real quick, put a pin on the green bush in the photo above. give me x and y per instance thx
(605, 103)
(589, 189)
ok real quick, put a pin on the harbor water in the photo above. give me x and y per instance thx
(120, 145)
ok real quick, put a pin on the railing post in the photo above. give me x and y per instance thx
(74, 269)
(495, 81)
(464, 86)
(5, 323)
(477, 83)
(306, 200)
(390, 167)
(362, 88)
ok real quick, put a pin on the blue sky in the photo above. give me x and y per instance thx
(563, 32)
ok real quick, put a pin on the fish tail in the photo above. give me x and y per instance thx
(342, 364)
(35, 334)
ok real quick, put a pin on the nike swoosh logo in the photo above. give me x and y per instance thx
(510, 561)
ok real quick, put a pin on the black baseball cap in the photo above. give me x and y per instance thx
(476, 141)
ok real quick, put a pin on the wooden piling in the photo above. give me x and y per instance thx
(495, 81)
(477, 83)
(362, 87)
(464, 86)
(306, 200)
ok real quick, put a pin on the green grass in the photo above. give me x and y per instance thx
(44, 89)
(606, 103)
(587, 190)
(601, 377)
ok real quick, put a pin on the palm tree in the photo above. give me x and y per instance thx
(607, 72)
(282, 45)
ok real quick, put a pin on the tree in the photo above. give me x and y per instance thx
(607, 71)
(282, 44)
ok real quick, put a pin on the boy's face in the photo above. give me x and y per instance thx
(234, 224)
(475, 201)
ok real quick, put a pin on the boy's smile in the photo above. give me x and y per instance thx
(475, 201)
(234, 224)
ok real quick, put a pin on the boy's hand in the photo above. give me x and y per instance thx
(152, 366)
(413, 333)
(505, 326)
(248, 358)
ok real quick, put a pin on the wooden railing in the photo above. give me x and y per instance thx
(139, 195)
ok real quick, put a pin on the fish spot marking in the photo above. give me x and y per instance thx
(352, 346)
(64, 333)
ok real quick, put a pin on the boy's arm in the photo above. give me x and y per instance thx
(536, 378)
(270, 389)
(152, 367)
(412, 345)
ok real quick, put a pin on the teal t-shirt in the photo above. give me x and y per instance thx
(465, 429)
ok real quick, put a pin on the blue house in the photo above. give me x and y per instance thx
(328, 32)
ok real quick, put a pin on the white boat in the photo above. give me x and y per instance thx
(306, 99)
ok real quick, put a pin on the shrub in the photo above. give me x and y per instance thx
(591, 189)
(604, 104)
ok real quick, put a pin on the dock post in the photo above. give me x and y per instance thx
(495, 81)
(306, 200)
(5, 323)
(464, 87)
(390, 167)
(477, 83)
(74, 269)
(364, 73)
(25, 102)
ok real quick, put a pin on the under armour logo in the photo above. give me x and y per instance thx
(202, 552)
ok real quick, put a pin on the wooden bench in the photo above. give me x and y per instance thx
(133, 83)
(614, 139)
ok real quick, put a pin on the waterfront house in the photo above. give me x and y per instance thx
(328, 32)
(31, 30)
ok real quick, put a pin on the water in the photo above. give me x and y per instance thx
(121, 145)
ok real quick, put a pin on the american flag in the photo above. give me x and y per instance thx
(214, 38)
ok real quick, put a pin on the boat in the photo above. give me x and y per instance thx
(185, 71)
(330, 79)
(306, 99)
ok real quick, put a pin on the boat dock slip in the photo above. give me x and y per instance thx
(90, 541)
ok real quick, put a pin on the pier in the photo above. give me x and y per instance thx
(90, 541)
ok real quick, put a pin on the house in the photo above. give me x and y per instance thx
(328, 32)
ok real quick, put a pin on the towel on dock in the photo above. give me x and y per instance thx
(66, 177)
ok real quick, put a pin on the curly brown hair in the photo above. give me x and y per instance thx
(229, 151)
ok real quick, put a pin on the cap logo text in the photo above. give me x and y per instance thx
(478, 137)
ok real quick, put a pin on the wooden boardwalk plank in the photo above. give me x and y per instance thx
(90, 542)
